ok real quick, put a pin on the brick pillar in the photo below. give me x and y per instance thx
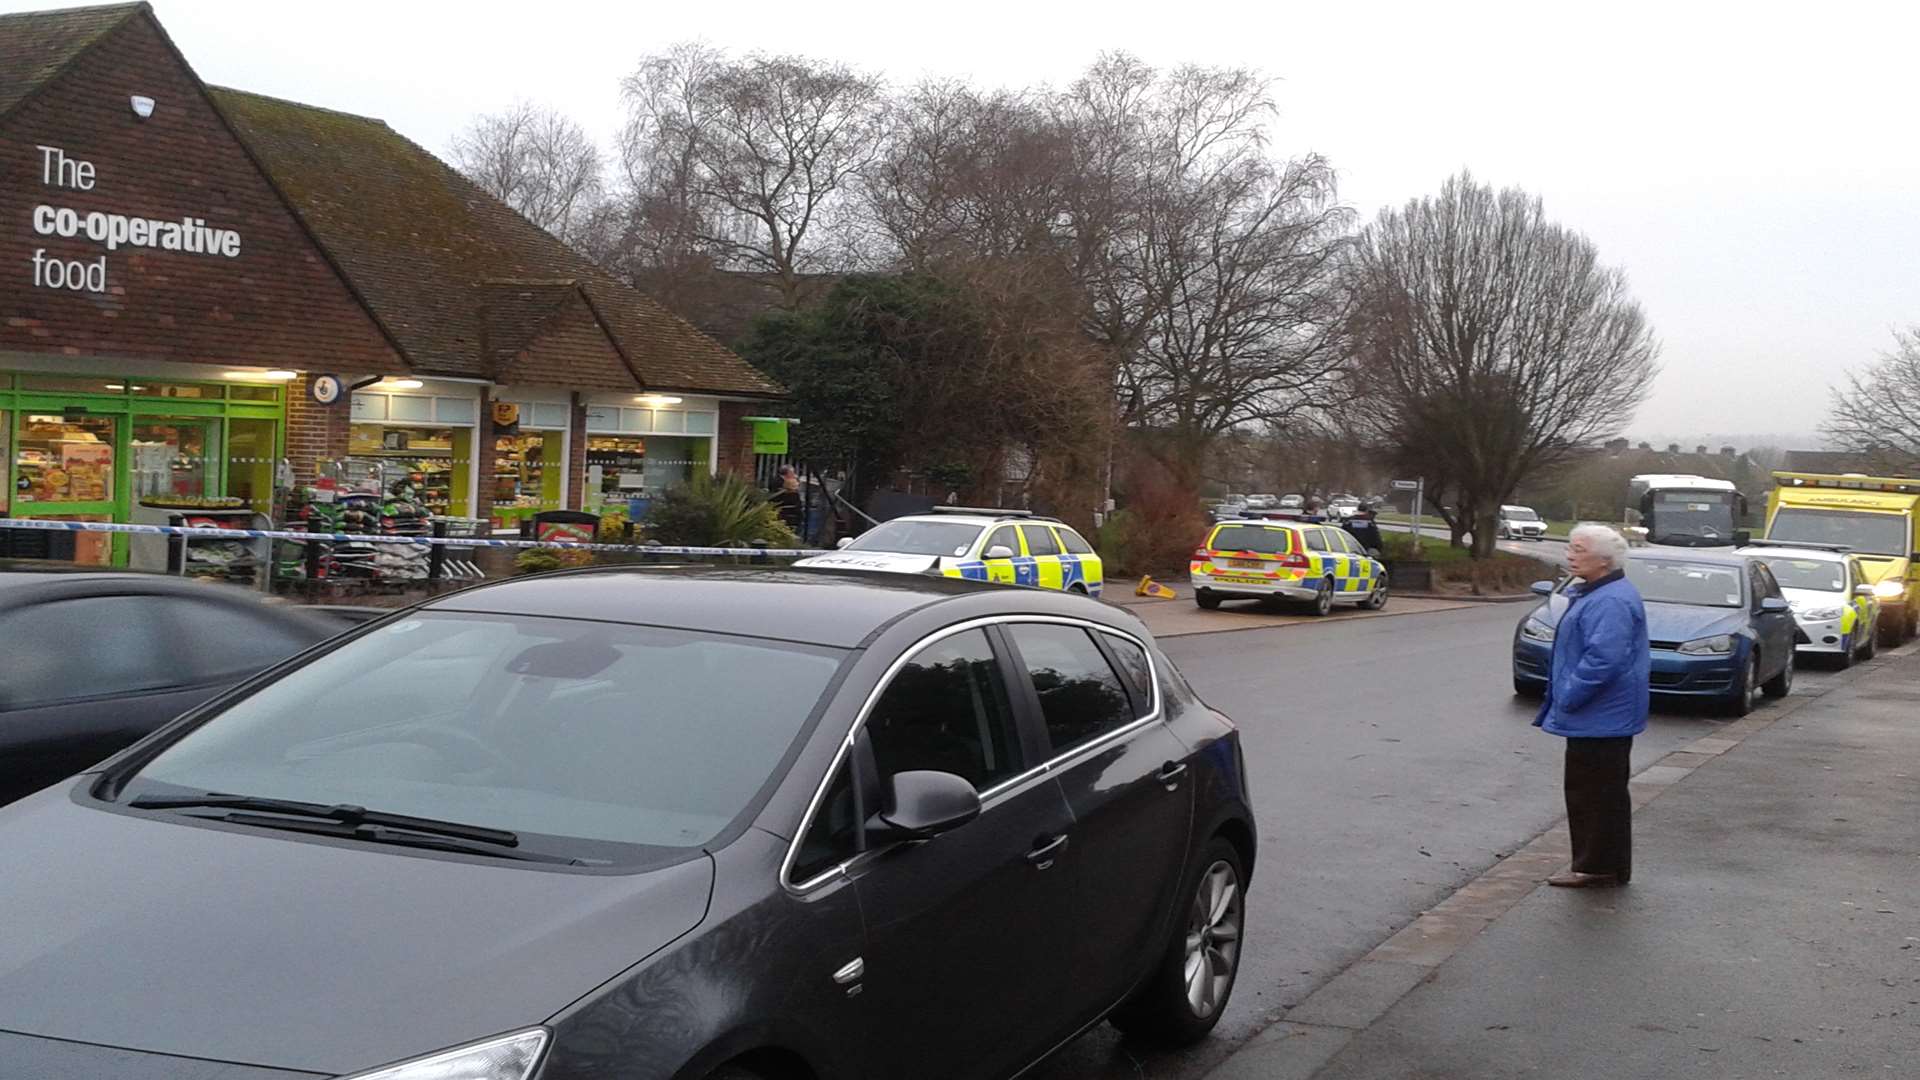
(736, 438)
(315, 432)
(577, 453)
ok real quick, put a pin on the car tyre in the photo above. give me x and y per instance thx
(1849, 649)
(1870, 645)
(1530, 690)
(1782, 684)
(1377, 599)
(1183, 997)
(1207, 599)
(1746, 688)
(1322, 603)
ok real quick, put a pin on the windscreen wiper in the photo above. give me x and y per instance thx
(387, 834)
(342, 813)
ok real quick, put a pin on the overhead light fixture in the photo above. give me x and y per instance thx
(281, 375)
(142, 105)
(273, 375)
(657, 399)
(403, 384)
(116, 386)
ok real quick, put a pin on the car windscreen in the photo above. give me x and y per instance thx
(952, 539)
(1522, 515)
(1252, 538)
(1824, 575)
(627, 743)
(1674, 581)
(1877, 534)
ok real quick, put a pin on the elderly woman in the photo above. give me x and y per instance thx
(1597, 701)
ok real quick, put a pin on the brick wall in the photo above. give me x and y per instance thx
(315, 432)
(276, 304)
(736, 438)
(577, 454)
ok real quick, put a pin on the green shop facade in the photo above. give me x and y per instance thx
(209, 297)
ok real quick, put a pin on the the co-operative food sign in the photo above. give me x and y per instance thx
(111, 231)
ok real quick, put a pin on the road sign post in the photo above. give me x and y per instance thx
(1419, 489)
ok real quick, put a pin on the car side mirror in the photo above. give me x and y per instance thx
(1773, 605)
(922, 804)
(1542, 588)
(1858, 590)
(1742, 537)
(999, 551)
(843, 542)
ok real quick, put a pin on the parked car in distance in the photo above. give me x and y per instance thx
(1342, 507)
(725, 825)
(1293, 502)
(1262, 502)
(1521, 523)
(1718, 627)
(1831, 592)
(1011, 547)
(1275, 559)
(95, 660)
(1227, 511)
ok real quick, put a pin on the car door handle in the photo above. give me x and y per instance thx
(1170, 774)
(1048, 850)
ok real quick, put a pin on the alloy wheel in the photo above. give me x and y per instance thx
(1213, 938)
(1752, 688)
(1323, 602)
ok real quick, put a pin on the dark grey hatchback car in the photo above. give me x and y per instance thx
(645, 825)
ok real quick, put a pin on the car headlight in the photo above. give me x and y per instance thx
(1890, 589)
(509, 1057)
(1822, 614)
(1717, 645)
(1535, 630)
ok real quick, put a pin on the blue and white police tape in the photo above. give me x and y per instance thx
(365, 538)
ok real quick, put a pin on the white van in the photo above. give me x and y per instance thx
(1521, 523)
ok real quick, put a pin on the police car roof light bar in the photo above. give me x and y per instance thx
(986, 511)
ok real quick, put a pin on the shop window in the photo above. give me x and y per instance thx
(700, 423)
(670, 422)
(6, 447)
(75, 384)
(402, 407)
(197, 391)
(435, 461)
(250, 462)
(528, 471)
(550, 416)
(616, 468)
(254, 393)
(172, 459)
(64, 460)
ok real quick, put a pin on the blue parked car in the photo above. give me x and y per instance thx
(1718, 626)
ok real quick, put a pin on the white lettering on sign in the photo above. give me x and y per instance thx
(111, 231)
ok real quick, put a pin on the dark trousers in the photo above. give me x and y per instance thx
(1599, 814)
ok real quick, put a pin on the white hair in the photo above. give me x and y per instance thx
(1602, 540)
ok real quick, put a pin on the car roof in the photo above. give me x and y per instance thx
(1797, 553)
(821, 606)
(1692, 555)
(985, 519)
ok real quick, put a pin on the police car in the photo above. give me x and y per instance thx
(1009, 546)
(1304, 560)
(1831, 596)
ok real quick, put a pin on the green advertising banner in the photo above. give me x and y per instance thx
(770, 437)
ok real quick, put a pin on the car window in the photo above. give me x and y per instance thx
(1136, 670)
(228, 641)
(833, 836)
(1074, 544)
(1317, 540)
(87, 647)
(1040, 540)
(946, 710)
(601, 740)
(1764, 585)
(1343, 541)
(1259, 539)
(933, 538)
(1002, 537)
(1681, 581)
(1081, 698)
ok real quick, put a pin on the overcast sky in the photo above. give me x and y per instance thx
(1751, 166)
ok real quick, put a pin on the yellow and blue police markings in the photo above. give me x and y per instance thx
(1063, 571)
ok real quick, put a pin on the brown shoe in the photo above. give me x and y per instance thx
(1576, 880)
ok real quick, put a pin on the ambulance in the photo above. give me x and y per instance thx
(1872, 516)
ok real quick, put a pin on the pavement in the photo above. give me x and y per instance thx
(1390, 765)
(1772, 927)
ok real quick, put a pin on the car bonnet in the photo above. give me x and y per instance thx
(136, 931)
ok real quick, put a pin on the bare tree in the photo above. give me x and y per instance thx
(536, 161)
(1491, 343)
(747, 162)
(1876, 414)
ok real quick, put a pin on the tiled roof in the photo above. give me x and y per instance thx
(36, 45)
(546, 332)
(420, 244)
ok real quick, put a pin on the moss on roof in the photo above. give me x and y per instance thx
(36, 45)
(420, 243)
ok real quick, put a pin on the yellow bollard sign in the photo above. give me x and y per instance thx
(1150, 587)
